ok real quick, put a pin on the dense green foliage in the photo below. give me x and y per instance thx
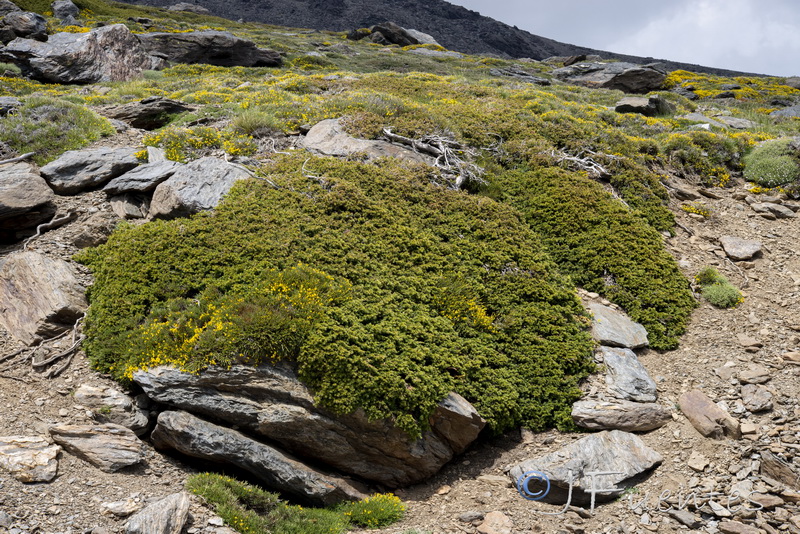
(50, 126)
(450, 292)
(773, 163)
(251, 510)
(717, 290)
(604, 248)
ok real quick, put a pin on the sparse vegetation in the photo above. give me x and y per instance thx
(717, 290)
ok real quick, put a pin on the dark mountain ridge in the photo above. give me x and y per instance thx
(455, 27)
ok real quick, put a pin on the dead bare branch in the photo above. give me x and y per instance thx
(55, 222)
(18, 158)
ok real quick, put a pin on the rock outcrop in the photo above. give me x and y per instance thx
(78, 170)
(143, 178)
(195, 437)
(625, 77)
(210, 47)
(148, 114)
(39, 296)
(25, 199)
(272, 403)
(23, 24)
(107, 54)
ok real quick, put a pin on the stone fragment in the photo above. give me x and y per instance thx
(108, 54)
(708, 418)
(648, 106)
(112, 406)
(626, 377)
(195, 437)
(9, 104)
(65, 10)
(120, 508)
(148, 114)
(29, 459)
(755, 374)
(40, 297)
(620, 415)
(777, 469)
(469, 517)
(615, 329)
(787, 112)
(735, 527)
(496, 523)
(791, 356)
(748, 341)
(210, 47)
(166, 516)
(766, 500)
(697, 462)
(194, 187)
(78, 170)
(756, 398)
(270, 401)
(611, 451)
(130, 206)
(143, 178)
(328, 138)
(739, 249)
(685, 518)
(108, 447)
(95, 229)
(776, 210)
(736, 122)
(191, 8)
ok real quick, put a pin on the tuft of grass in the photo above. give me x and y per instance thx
(717, 290)
(50, 126)
(378, 510)
(256, 123)
(772, 163)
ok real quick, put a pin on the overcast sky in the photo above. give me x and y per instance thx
(761, 36)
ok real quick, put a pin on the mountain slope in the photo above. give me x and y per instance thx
(455, 27)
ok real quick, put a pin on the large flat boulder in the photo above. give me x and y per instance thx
(194, 187)
(78, 170)
(620, 415)
(143, 178)
(211, 47)
(270, 402)
(328, 138)
(626, 77)
(108, 447)
(621, 453)
(107, 54)
(40, 297)
(195, 437)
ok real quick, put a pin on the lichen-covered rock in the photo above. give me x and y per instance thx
(626, 377)
(328, 138)
(23, 24)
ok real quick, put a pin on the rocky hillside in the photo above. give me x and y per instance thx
(454, 27)
(372, 284)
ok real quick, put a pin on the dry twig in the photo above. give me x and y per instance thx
(18, 158)
(55, 222)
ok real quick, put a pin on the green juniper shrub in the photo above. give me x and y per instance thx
(773, 163)
(415, 291)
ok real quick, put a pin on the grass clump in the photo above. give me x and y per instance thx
(378, 510)
(406, 292)
(251, 510)
(717, 290)
(50, 126)
(773, 163)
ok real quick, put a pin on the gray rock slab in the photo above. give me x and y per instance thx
(64, 10)
(108, 447)
(328, 138)
(615, 329)
(708, 418)
(7, 6)
(22, 190)
(195, 437)
(777, 210)
(620, 415)
(29, 458)
(40, 297)
(165, 516)
(112, 406)
(789, 112)
(699, 117)
(78, 170)
(756, 398)
(626, 77)
(755, 374)
(740, 249)
(107, 54)
(736, 122)
(130, 205)
(143, 178)
(148, 114)
(194, 187)
(270, 402)
(626, 377)
(210, 46)
(615, 451)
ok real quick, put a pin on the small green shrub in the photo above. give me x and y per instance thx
(51, 126)
(378, 510)
(251, 510)
(772, 163)
(717, 290)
